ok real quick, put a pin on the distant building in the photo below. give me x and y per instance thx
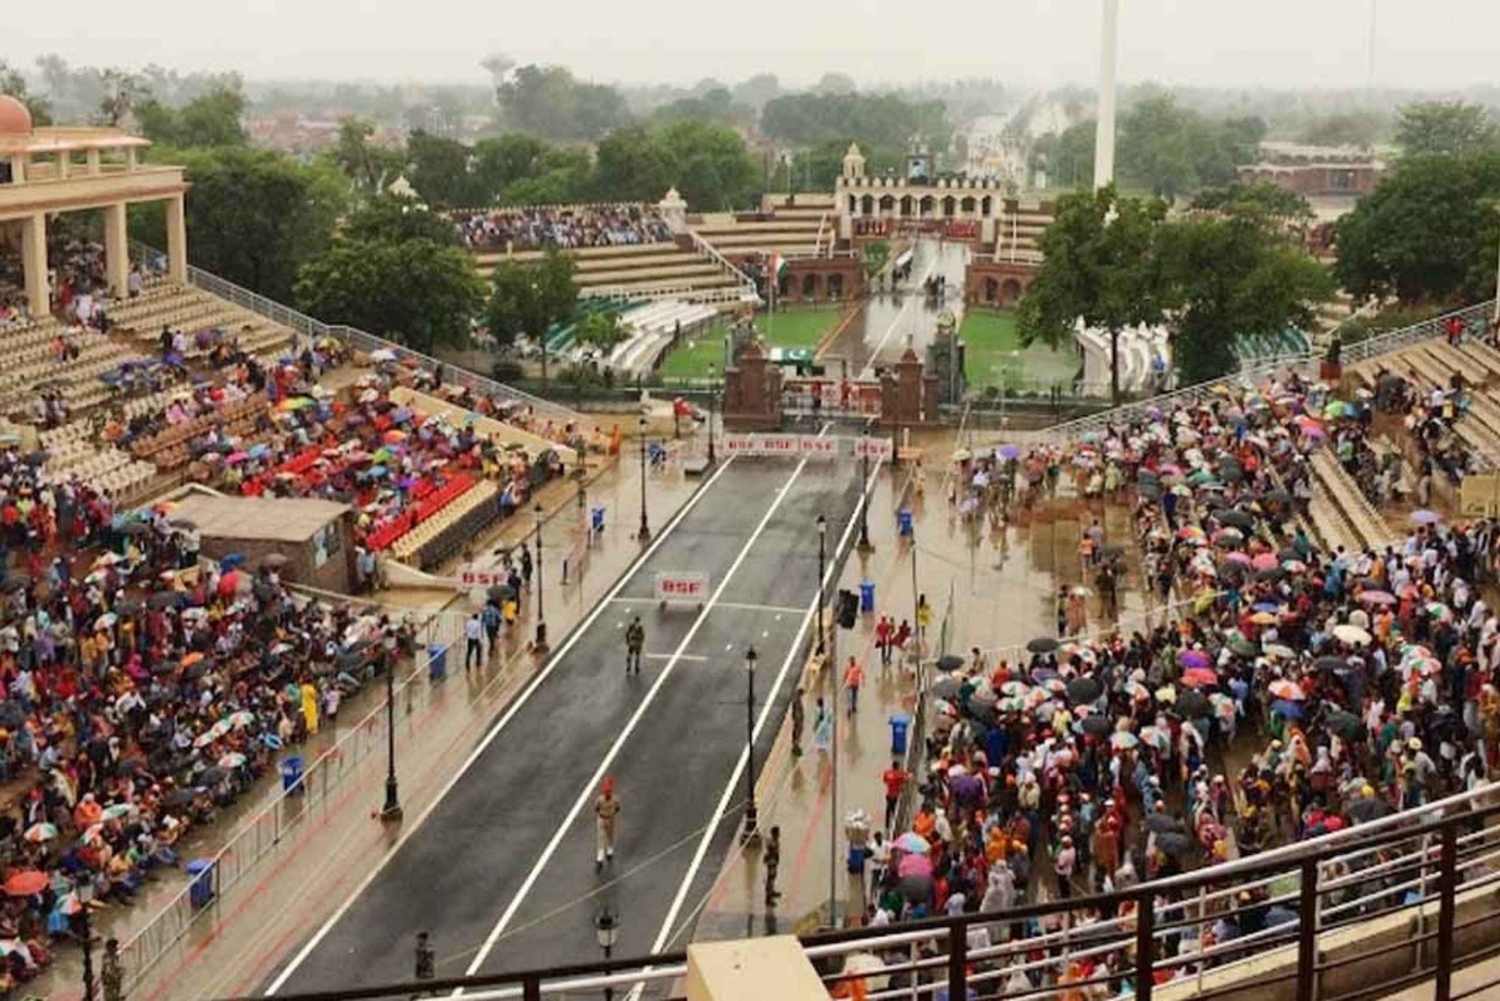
(1316, 171)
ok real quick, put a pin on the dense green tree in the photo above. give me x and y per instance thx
(1345, 128)
(710, 166)
(212, 119)
(1067, 158)
(1446, 127)
(716, 106)
(601, 331)
(504, 160)
(1099, 266)
(1230, 275)
(564, 174)
(1169, 149)
(1427, 234)
(876, 121)
(836, 84)
(440, 170)
(547, 101)
(253, 216)
(633, 165)
(529, 297)
(122, 91)
(1260, 198)
(420, 293)
(388, 218)
(756, 90)
(368, 166)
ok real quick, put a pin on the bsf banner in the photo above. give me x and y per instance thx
(682, 586)
(471, 577)
(807, 446)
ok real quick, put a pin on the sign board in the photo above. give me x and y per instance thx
(685, 586)
(848, 396)
(471, 577)
(802, 446)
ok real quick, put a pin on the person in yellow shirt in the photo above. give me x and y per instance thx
(310, 707)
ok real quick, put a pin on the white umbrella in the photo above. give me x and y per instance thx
(868, 963)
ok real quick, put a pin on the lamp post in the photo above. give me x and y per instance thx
(645, 530)
(392, 808)
(822, 562)
(84, 890)
(752, 817)
(865, 545)
(713, 393)
(607, 928)
(540, 646)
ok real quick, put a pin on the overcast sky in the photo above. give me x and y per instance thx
(1421, 43)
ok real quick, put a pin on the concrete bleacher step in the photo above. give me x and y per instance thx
(669, 273)
(492, 257)
(635, 262)
(1364, 521)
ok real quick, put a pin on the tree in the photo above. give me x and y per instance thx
(122, 90)
(757, 90)
(504, 160)
(563, 175)
(835, 83)
(529, 298)
(1099, 266)
(548, 101)
(875, 121)
(368, 166)
(1446, 127)
(709, 165)
(1261, 197)
(632, 165)
(388, 218)
(211, 119)
(877, 253)
(601, 331)
(1348, 128)
(13, 84)
(1426, 234)
(253, 216)
(1068, 158)
(440, 170)
(417, 292)
(1233, 275)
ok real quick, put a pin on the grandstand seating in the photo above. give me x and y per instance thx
(789, 234)
(654, 325)
(72, 453)
(634, 271)
(1345, 513)
(186, 308)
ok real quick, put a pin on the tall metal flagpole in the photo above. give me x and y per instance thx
(1104, 137)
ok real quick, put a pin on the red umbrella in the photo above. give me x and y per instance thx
(228, 583)
(1200, 676)
(1265, 561)
(26, 883)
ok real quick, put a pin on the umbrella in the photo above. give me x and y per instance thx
(1085, 689)
(26, 883)
(11, 714)
(1377, 597)
(1281, 688)
(180, 797)
(1422, 516)
(1345, 724)
(1042, 644)
(382, 355)
(1265, 561)
(14, 582)
(232, 560)
(949, 663)
(136, 528)
(166, 599)
(962, 455)
(945, 688)
(117, 810)
(912, 842)
(1241, 647)
(37, 833)
(914, 865)
(1193, 705)
(209, 776)
(1351, 634)
(1194, 658)
(867, 963)
(1009, 451)
(1098, 726)
(1197, 676)
(1123, 740)
(1156, 737)
(915, 889)
(274, 560)
(1287, 708)
(1238, 519)
(231, 760)
(1330, 664)
(1367, 808)
(1161, 823)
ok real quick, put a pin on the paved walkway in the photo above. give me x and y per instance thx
(291, 890)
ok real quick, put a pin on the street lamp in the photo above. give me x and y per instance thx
(541, 617)
(713, 393)
(865, 545)
(822, 561)
(607, 928)
(392, 808)
(84, 891)
(645, 530)
(751, 816)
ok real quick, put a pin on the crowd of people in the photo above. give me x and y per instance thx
(1278, 691)
(564, 228)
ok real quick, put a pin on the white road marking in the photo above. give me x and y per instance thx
(590, 789)
(669, 656)
(875, 354)
(733, 606)
(515, 707)
(740, 765)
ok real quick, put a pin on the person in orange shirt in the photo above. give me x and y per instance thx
(854, 676)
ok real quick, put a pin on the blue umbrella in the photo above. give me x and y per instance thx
(1009, 451)
(1287, 708)
(231, 561)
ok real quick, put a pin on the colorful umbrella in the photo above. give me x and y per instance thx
(26, 883)
(1197, 676)
(1194, 658)
(1122, 740)
(1353, 635)
(913, 843)
(37, 833)
(1283, 688)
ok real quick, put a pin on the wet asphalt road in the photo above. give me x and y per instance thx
(498, 871)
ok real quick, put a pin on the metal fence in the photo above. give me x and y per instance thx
(198, 905)
(1358, 914)
(1475, 318)
(357, 339)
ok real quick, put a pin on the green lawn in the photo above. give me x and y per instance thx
(792, 328)
(993, 355)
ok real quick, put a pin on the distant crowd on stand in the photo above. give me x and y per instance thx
(563, 228)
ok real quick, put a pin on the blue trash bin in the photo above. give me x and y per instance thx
(201, 881)
(437, 662)
(291, 772)
(900, 723)
(904, 522)
(596, 519)
(866, 596)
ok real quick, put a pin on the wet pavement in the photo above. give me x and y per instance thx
(880, 333)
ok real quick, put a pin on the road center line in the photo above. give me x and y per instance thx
(515, 707)
(875, 354)
(590, 789)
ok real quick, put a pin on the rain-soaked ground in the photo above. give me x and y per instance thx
(880, 332)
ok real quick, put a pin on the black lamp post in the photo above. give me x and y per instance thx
(541, 617)
(392, 808)
(865, 545)
(645, 530)
(84, 890)
(713, 393)
(822, 561)
(607, 928)
(752, 817)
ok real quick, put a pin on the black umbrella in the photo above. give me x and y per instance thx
(179, 797)
(1331, 664)
(274, 560)
(1239, 519)
(1174, 844)
(11, 714)
(1367, 808)
(1112, 552)
(1162, 823)
(1289, 553)
(195, 670)
(209, 776)
(136, 528)
(127, 606)
(349, 659)
(1345, 724)
(1085, 689)
(167, 599)
(1270, 573)
(1193, 704)
(1042, 644)
(163, 667)
(501, 592)
(184, 523)
(948, 663)
(1097, 725)
(945, 688)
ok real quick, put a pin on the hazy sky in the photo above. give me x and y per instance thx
(1424, 43)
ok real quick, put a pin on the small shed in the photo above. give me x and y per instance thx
(315, 536)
